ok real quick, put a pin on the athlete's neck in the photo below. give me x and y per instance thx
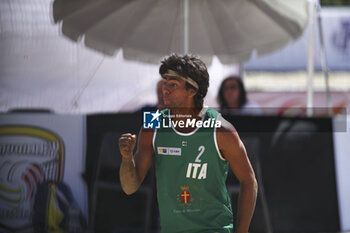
(183, 114)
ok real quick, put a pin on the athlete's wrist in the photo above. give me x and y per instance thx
(127, 158)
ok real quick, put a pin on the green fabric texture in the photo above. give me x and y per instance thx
(191, 178)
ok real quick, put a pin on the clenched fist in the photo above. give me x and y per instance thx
(127, 144)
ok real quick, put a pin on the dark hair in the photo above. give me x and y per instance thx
(189, 66)
(242, 97)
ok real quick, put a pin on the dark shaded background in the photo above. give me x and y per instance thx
(293, 158)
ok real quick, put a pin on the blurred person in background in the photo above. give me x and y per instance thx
(160, 102)
(233, 99)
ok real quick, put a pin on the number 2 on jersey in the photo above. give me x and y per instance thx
(201, 150)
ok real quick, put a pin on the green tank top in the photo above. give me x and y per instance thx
(191, 175)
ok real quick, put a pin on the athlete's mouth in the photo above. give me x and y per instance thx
(165, 99)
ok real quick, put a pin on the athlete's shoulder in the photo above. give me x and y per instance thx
(210, 112)
(226, 126)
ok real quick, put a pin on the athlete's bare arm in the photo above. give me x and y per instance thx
(234, 152)
(133, 169)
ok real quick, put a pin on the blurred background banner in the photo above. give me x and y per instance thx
(293, 103)
(336, 35)
(342, 162)
(36, 148)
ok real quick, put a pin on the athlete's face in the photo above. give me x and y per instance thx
(175, 94)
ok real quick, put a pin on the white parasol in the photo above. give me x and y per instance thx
(148, 30)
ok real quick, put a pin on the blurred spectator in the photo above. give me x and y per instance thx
(233, 99)
(160, 102)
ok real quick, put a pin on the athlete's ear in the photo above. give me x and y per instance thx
(192, 92)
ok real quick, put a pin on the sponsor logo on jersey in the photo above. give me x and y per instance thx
(163, 150)
(169, 151)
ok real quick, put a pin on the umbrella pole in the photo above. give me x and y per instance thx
(324, 63)
(186, 31)
(310, 65)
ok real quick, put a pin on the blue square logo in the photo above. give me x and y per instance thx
(151, 120)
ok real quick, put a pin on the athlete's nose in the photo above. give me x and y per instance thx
(165, 89)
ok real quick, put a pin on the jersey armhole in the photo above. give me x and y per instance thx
(217, 147)
(153, 140)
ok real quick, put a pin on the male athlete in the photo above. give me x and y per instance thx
(191, 159)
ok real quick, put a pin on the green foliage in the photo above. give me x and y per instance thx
(335, 2)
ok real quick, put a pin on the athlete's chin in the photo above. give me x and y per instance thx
(169, 106)
(167, 103)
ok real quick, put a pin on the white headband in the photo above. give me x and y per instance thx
(171, 73)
